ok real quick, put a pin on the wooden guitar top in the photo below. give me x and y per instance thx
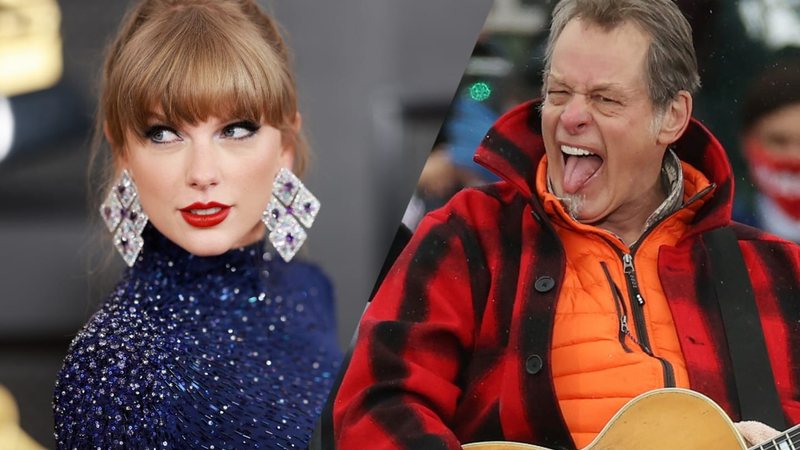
(664, 419)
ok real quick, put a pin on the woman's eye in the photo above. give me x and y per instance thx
(240, 130)
(162, 135)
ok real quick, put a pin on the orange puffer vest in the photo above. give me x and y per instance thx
(612, 319)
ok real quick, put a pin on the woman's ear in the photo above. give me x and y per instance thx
(107, 133)
(676, 119)
(297, 124)
(120, 162)
(289, 148)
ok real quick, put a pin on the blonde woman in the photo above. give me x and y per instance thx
(213, 338)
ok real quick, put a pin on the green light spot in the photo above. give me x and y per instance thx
(480, 91)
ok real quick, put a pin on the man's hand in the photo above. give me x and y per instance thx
(755, 432)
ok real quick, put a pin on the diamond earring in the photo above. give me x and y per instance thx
(124, 217)
(291, 202)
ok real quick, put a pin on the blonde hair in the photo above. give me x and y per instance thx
(191, 59)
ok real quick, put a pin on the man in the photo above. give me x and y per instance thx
(531, 310)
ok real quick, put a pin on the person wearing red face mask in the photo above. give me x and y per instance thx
(771, 139)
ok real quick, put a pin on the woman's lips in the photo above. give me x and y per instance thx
(204, 215)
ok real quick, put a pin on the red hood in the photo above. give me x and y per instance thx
(513, 148)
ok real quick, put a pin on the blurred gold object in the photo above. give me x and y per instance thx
(30, 45)
(11, 435)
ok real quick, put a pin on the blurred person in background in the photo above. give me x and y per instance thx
(771, 145)
(483, 94)
(209, 340)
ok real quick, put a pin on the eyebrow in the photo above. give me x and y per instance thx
(156, 116)
(600, 87)
(158, 119)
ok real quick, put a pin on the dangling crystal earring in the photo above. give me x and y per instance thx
(124, 217)
(291, 202)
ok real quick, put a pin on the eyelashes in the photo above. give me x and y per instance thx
(165, 134)
(240, 130)
(161, 134)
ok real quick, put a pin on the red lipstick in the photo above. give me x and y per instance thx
(204, 215)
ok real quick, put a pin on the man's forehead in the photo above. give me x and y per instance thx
(612, 36)
(606, 28)
(590, 55)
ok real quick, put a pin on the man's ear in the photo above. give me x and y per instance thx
(675, 119)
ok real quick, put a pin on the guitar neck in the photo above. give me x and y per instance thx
(788, 440)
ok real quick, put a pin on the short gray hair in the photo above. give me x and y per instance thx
(671, 64)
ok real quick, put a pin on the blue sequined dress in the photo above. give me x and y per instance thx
(236, 351)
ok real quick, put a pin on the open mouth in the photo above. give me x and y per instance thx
(579, 166)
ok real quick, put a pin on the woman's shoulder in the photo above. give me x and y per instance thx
(300, 274)
(299, 266)
(308, 283)
(114, 370)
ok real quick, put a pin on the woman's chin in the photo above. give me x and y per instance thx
(204, 245)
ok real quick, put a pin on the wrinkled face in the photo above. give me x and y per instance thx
(779, 132)
(598, 122)
(205, 186)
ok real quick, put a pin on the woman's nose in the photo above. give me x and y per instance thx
(203, 168)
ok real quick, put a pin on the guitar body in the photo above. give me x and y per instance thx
(664, 419)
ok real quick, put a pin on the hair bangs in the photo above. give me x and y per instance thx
(193, 64)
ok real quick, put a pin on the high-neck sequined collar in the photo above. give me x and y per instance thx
(161, 253)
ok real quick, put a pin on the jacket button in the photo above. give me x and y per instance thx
(533, 364)
(544, 284)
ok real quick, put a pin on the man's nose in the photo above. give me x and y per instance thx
(576, 116)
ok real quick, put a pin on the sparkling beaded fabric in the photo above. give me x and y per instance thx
(236, 351)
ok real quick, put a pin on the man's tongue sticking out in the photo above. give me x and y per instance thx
(577, 170)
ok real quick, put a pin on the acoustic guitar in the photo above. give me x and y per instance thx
(667, 419)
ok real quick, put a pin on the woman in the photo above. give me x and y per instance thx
(207, 341)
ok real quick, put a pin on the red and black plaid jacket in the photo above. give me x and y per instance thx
(455, 345)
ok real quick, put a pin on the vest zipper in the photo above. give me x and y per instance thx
(622, 310)
(639, 323)
(633, 291)
(633, 285)
(639, 320)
